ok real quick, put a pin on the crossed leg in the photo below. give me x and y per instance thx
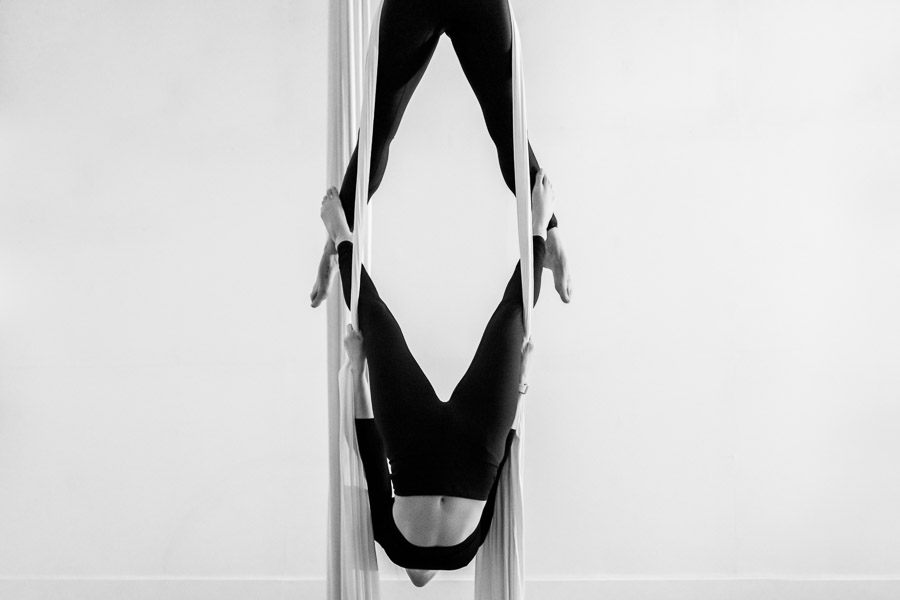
(482, 39)
(408, 35)
(487, 395)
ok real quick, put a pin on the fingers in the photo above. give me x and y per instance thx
(353, 342)
(527, 348)
(352, 334)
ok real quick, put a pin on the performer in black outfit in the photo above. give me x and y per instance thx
(453, 450)
(435, 448)
(481, 33)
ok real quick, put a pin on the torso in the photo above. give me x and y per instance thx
(436, 520)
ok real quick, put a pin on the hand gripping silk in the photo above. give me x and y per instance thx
(352, 569)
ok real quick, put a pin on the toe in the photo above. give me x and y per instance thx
(320, 289)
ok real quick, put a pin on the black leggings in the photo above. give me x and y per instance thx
(481, 33)
(451, 448)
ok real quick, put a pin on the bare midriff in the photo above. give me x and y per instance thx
(436, 520)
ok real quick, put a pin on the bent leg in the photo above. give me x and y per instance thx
(481, 32)
(489, 390)
(408, 36)
(403, 401)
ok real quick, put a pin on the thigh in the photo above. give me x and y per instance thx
(488, 394)
(481, 33)
(408, 36)
(486, 398)
(402, 397)
(404, 403)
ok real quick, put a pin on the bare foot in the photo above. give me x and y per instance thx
(556, 261)
(327, 269)
(333, 216)
(543, 201)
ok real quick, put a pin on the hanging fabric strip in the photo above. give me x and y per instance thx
(500, 569)
(352, 570)
(362, 223)
(499, 573)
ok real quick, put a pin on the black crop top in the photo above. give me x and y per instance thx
(381, 502)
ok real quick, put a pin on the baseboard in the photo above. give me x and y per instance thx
(60, 588)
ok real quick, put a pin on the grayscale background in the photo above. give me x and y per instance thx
(715, 415)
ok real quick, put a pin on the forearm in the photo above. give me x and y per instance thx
(363, 400)
(353, 342)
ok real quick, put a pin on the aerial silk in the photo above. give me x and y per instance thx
(352, 570)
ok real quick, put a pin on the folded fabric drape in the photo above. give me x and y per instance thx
(351, 566)
(352, 569)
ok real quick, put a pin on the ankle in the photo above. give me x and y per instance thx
(340, 237)
(553, 235)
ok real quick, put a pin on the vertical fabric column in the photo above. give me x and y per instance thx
(351, 567)
(500, 566)
(352, 571)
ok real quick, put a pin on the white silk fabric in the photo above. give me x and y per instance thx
(352, 568)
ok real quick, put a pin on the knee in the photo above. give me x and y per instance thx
(372, 308)
(374, 315)
(510, 308)
(502, 135)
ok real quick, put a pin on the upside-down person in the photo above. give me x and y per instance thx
(482, 33)
(445, 458)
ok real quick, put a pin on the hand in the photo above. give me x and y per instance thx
(353, 342)
(527, 349)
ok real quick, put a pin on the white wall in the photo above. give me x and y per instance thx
(719, 401)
